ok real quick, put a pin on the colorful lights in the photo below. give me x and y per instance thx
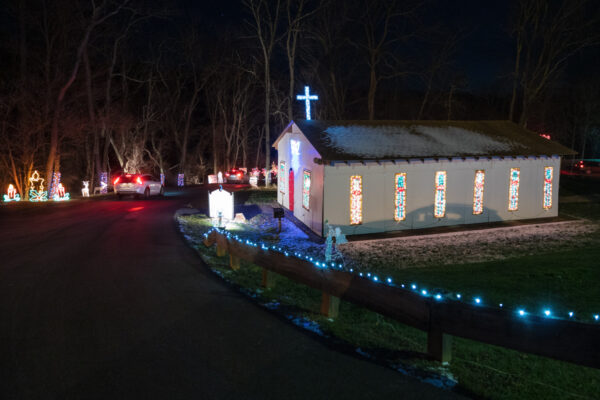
(400, 198)
(36, 188)
(281, 176)
(439, 209)
(103, 183)
(547, 312)
(548, 175)
(60, 194)
(478, 192)
(521, 312)
(180, 180)
(11, 194)
(55, 182)
(513, 190)
(307, 97)
(162, 180)
(356, 196)
(477, 300)
(306, 189)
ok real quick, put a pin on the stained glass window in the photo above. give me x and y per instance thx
(306, 189)
(478, 192)
(439, 209)
(548, 175)
(513, 190)
(400, 200)
(281, 175)
(356, 199)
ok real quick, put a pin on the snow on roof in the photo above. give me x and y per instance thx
(412, 141)
(377, 140)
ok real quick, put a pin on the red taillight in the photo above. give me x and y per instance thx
(226, 173)
(138, 180)
(116, 180)
(239, 175)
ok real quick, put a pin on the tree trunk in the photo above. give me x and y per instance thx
(513, 100)
(371, 95)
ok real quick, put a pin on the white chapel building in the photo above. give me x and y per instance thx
(378, 176)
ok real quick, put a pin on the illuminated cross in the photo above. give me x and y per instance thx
(307, 97)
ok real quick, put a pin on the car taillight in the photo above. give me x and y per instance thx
(226, 173)
(239, 175)
(139, 180)
(116, 180)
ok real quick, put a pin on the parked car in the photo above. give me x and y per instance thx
(585, 167)
(236, 175)
(137, 185)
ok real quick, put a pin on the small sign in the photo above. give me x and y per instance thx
(220, 204)
(212, 179)
(278, 212)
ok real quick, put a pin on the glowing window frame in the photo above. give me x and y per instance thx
(547, 200)
(281, 174)
(513, 189)
(439, 205)
(400, 197)
(356, 201)
(478, 191)
(306, 191)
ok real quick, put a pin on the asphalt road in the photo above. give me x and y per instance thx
(101, 299)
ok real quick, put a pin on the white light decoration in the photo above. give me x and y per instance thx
(307, 97)
(220, 204)
(295, 147)
(220, 177)
(439, 208)
(11, 194)
(85, 190)
(478, 192)
(253, 181)
(104, 182)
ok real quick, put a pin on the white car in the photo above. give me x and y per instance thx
(137, 185)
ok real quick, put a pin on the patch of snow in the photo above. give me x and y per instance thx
(414, 141)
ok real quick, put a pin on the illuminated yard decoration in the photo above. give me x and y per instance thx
(55, 182)
(356, 197)
(103, 183)
(439, 209)
(36, 188)
(307, 97)
(548, 175)
(11, 194)
(281, 174)
(306, 189)
(60, 194)
(162, 179)
(180, 180)
(220, 204)
(295, 147)
(85, 190)
(513, 190)
(478, 191)
(400, 200)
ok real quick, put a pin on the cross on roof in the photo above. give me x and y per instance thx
(307, 97)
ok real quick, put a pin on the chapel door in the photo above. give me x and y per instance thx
(291, 190)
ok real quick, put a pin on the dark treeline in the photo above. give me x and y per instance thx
(115, 85)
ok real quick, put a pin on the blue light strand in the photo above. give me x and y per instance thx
(388, 281)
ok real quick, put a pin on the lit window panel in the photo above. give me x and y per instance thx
(356, 197)
(478, 191)
(400, 199)
(281, 179)
(548, 176)
(513, 190)
(439, 209)
(306, 189)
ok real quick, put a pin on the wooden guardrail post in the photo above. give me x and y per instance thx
(439, 344)
(234, 262)
(267, 279)
(330, 305)
(221, 246)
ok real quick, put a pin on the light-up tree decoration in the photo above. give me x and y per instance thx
(60, 194)
(36, 188)
(85, 190)
(478, 188)
(400, 199)
(55, 182)
(548, 176)
(281, 176)
(306, 189)
(104, 182)
(180, 180)
(513, 190)
(307, 97)
(162, 179)
(356, 197)
(439, 208)
(11, 194)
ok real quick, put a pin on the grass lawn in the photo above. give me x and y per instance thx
(562, 280)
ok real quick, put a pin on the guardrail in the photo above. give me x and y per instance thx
(564, 340)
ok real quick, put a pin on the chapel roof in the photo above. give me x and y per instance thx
(388, 140)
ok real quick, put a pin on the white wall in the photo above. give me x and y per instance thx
(379, 189)
(313, 217)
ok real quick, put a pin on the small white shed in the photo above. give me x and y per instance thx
(378, 176)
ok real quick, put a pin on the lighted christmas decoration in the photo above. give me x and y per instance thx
(478, 192)
(439, 209)
(55, 182)
(548, 175)
(11, 194)
(180, 180)
(60, 194)
(36, 188)
(85, 190)
(281, 180)
(306, 189)
(400, 200)
(162, 179)
(307, 97)
(356, 196)
(103, 182)
(295, 146)
(220, 205)
(545, 136)
(513, 190)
